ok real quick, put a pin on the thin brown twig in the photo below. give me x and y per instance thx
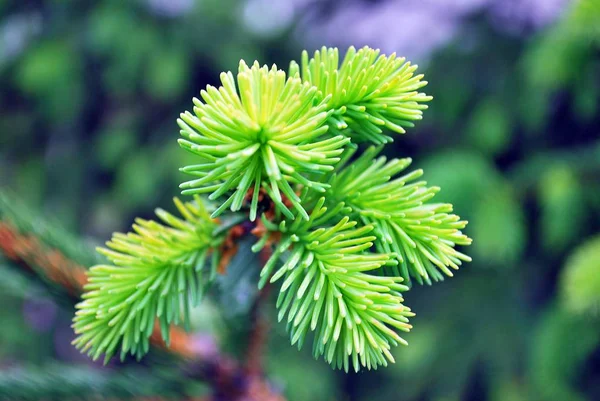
(258, 335)
(260, 326)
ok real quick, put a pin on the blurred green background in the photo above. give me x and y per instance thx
(89, 94)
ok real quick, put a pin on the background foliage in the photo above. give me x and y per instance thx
(89, 94)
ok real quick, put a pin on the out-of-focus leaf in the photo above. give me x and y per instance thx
(167, 73)
(419, 353)
(112, 145)
(489, 128)
(481, 195)
(463, 176)
(587, 96)
(555, 61)
(558, 59)
(480, 346)
(498, 226)
(580, 279)
(584, 160)
(46, 66)
(138, 179)
(311, 379)
(30, 180)
(562, 206)
(51, 73)
(534, 106)
(451, 97)
(415, 362)
(125, 59)
(560, 345)
(105, 27)
(583, 19)
(512, 390)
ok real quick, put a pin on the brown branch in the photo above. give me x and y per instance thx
(32, 255)
(258, 335)
(228, 378)
(260, 323)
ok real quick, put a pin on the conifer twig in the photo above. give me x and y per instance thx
(227, 377)
(258, 334)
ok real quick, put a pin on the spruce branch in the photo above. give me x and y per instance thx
(36, 246)
(327, 289)
(279, 147)
(267, 132)
(421, 235)
(367, 92)
(34, 254)
(158, 271)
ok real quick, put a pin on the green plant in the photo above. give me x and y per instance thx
(580, 282)
(275, 153)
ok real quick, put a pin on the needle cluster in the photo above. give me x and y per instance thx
(347, 235)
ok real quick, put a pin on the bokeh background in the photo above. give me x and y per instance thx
(89, 94)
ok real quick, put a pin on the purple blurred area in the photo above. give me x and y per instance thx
(411, 28)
